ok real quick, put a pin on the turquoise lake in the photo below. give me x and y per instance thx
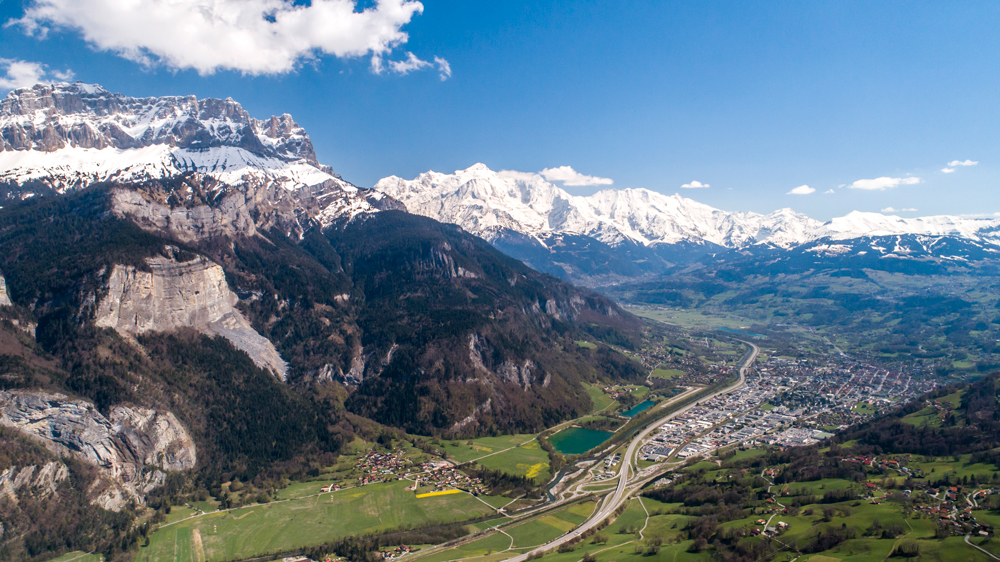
(576, 440)
(638, 408)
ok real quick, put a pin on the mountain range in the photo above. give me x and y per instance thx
(187, 291)
(619, 235)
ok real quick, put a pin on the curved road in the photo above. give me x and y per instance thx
(627, 481)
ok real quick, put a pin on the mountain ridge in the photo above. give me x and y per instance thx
(640, 214)
(583, 238)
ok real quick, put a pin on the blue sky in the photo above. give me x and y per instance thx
(753, 99)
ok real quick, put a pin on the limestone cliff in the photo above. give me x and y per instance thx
(42, 480)
(4, 297)
(133, 447)
(175, 295)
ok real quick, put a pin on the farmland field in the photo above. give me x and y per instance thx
(77, 556)
(525, 456)
(291, 524)
(667, 373)
(601, 400)
(465, 451)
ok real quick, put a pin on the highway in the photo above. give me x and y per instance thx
(629, 478)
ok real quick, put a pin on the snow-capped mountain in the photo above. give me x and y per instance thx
(858, 224)
(61, 137)
(483, 201)
(575, 237)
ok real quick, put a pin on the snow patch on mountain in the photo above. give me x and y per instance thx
(73, 167)
(858, 224)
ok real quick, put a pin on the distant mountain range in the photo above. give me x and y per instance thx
(616, 235)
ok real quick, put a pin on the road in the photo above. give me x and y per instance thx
(986, 552)
(630, 480)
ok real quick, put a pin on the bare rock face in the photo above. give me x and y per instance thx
(49, 117)
(175, 295)
(133, 447)
(188, 224)
(4, 297)
(40, 480)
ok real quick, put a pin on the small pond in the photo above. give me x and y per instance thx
(576, 440)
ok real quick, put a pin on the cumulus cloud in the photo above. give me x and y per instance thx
(947, 170)
(883, 183)
(695, 185)
(829, 192)
(893, 210)
(24, 74)
(802, 190)
(954, 163)
(569, 176)
(250, 36)
(515, 175)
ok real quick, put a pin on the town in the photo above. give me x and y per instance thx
(785, 402)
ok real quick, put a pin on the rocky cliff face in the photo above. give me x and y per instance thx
(41, 480)
(199, 209)
(133, 447)
(4, 297)
(175, 295)
(51, 117)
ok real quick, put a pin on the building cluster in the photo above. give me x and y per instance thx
(617, 392)
(796, 437)
(442, 475)
(393, 553)
(613, 460)
(382, 467)
(785, 402)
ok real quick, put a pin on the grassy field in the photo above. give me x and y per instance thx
(864, 408)
(519, 538)
(291, 524)
(749, 453)
(525, 456)
(465, 451)
(77, 556)
(493, 543)
(667, 373)
(601, 400)
(690, 318)
(543, 529)
(587, 344)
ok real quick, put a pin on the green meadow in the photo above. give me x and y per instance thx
(285, 525)
(520, 455)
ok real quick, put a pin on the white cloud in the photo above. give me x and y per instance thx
(24, 74)
(828, 192)
(802, 190)
(883, 183)
(695, 185)
(947, 170)
(444, 69)
(250, 36)
(569, 176)
(892, 210)
(409, 65)
(954, 163)
(515, 175)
